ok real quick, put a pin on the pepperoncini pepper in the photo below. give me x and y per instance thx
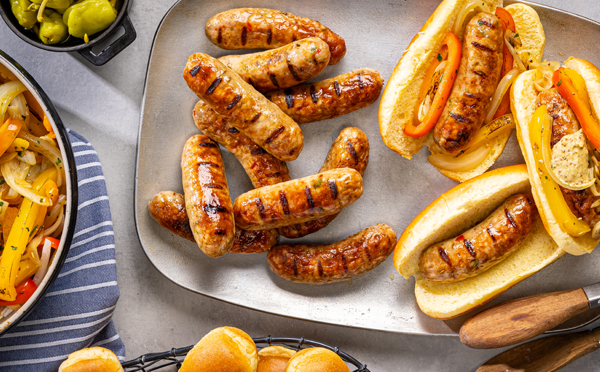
(24, 16)
(539, 130)
(21, 230)
(89, 17)
(52, 29)
(54, 4)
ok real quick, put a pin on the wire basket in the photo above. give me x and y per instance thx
(174, 357)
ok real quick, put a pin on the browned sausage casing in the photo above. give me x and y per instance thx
(168, 209)
(346, 259)
(207, 199)
(298, 200)
(475, 84)
(282, 67)
(483, 246)
(349, 150)
(329, 98)
(565, 122)
(262, 168)
(250, 112)
(250, 28)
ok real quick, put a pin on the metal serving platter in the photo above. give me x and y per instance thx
(395, 189)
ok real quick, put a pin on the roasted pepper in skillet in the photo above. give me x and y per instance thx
(52, 29)
(89, 17)
(26, 18)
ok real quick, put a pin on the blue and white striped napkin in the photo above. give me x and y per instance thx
(76, 311)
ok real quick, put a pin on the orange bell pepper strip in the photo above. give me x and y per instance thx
(507, 59)
(567, 90)
(8, 133)
(417, 129)
(48, 127)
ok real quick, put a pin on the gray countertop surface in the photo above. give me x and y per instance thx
(103, 104)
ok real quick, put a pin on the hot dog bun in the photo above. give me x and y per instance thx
(451, 214)
(274, 359)
(94, 359)
(224, 349)
(401, 92)
(523, 103)
(316, 359)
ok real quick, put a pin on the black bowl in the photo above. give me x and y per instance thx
(72, 191)
(73, 44)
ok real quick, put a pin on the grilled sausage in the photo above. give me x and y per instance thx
(207, 197)
(329, 98)
(262, 168)
(298, 200)
(565, 122)
(282, 67)
(254, 28)
(483, 246)
(476, 81)
(168, 209)
(250, 112)
(349, 150)
(346, 259)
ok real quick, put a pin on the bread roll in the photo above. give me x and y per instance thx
(94, 359)
(316, 359)
(274, 359)
(224, 349)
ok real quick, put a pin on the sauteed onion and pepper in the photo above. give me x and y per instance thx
(32, 194)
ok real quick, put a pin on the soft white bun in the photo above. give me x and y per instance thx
(456, 211)
(94, 359)
(523, 103)
(274, 359)
(224, 349)
(316, 359)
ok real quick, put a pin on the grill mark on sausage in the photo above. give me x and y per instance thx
(473, 96)
(360, 81)
(444, 256)
(336, 87)
(275, 134)
(512, 222)
(233, 130)
(293, 72)
(195, 70)
(309, 198)
(236, 99)
(258, 151)
(209, 208)
(295, 267)
(284, 203)
(208, 164)
(244, 35)
(352, 151)
(486, 23)
(274, 80)
(480, 73)
(344, 263)
(212, 186)
(320, 267)
(489, 231)
(333, 187)
(313, 94)
(261, 208)
(289, 98)
(220, 36)
(213, 86)
(208, 144)
(459, 118)
(275, 174)
(481, 47)
(255, 118)
(269, 36)
(367, 252)
(220, 232)
(245, 239)
(469, 247)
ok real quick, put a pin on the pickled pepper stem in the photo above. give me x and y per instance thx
(40, 15)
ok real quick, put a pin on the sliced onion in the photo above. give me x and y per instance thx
(7, 156)
(58, 222)
(492, 130)
(46, 147)
(464, 13)
(27, 157)
(46, 250)
(596, 230)
(501, 90)
(6, 312)
(10, 171)
(8, 91)
(461, 163)
(32, 249)
(17, 109)
(512, 51)
(594, 190)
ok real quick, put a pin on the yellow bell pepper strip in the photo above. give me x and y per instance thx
(27, 268)
(18, 144)
(540, 129)
(23, 291)
(8, 133)
(18, 237)
(454, 50)
(566, 88)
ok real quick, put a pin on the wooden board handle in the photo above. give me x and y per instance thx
(519, 320)
(544, 355)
